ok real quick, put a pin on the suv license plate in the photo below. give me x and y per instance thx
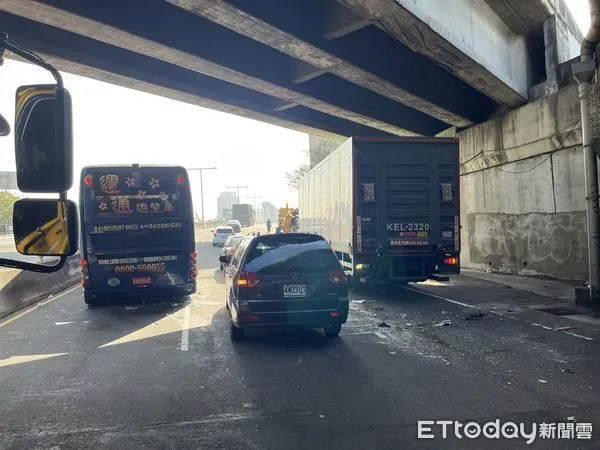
(294, 290)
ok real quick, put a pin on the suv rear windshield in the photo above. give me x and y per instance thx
(225, 231)
(299, 255)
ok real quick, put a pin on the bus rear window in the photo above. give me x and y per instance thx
(132, 193)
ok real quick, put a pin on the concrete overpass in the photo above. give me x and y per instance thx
(345, 67)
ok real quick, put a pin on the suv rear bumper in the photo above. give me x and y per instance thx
(284, 319)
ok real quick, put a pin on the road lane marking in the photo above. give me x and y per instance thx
(185, 332)
(36, 306)
(579, 336)
(449, 300)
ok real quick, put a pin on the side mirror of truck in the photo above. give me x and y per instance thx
(44, 227)
(43, 138)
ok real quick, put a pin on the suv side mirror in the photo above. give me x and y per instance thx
(43, 138)
(45, 227)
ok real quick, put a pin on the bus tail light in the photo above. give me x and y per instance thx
(88, 181)
(180, 179)
(451, 261)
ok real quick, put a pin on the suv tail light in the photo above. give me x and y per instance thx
(248, 280)
(338, 278)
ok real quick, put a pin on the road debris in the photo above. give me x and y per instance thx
(444, 312)
(321, 416)
(567, 370)
(392, 353)
(476, 316)
(543, 381)
(563, 328)
(409, 324)
(358, 301)
(384, 325)
(443, 323)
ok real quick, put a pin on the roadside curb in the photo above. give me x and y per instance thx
(23, 289)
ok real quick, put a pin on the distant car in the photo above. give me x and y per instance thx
(220, 235)
(235, 224)
(285, 280)
(229, 248)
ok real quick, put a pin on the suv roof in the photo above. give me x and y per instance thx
(223, 228)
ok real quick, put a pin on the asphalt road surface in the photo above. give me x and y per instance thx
(166, 374)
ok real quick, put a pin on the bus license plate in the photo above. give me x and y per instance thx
(141, 281)
(294, 290)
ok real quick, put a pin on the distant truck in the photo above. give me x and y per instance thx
(244, 213)
(390, 208)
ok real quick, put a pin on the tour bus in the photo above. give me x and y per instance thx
(137, 232)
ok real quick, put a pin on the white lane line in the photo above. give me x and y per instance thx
(185, 332)
(36, 306)
(578, 336)
(466, 305)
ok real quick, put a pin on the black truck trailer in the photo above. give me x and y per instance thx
(389, 207)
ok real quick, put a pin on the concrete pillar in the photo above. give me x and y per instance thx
(551, 54)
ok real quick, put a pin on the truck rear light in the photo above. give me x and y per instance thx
(451, 261)
(180, 180)
(248, 280)
(338, 278)
(335, 314)
(85, 270)
(85, 283)
(84, 263)
(85, 277)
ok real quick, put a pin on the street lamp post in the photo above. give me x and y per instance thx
(237, 188)
(200, 169)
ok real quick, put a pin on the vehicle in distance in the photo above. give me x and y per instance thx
(220, 235)
(389, 207)
(229, 247)
(235, 224)
(137, 232)
(285, 280)
(244, 213)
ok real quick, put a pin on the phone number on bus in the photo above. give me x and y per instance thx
(133, 268)
(135, 227)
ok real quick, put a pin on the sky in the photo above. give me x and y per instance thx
(115, 125)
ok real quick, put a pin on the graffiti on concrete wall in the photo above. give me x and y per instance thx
(530, 244)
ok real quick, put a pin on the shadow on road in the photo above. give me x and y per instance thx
(219, 276)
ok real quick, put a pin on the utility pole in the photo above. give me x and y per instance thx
(200, 169)
(254, 200)
(237, 188)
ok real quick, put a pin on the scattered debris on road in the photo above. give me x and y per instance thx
(384, 325)
(63, 323)
(443, 323)
(409, 324)
(567, 370)
(563, 328)
(358, 301)
(543, 381)
(392, 353)
(476, 316)
(321, 416)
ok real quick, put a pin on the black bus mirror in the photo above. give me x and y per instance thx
(4, 126)
(45, 227)
(43, 138)
(224, 259)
